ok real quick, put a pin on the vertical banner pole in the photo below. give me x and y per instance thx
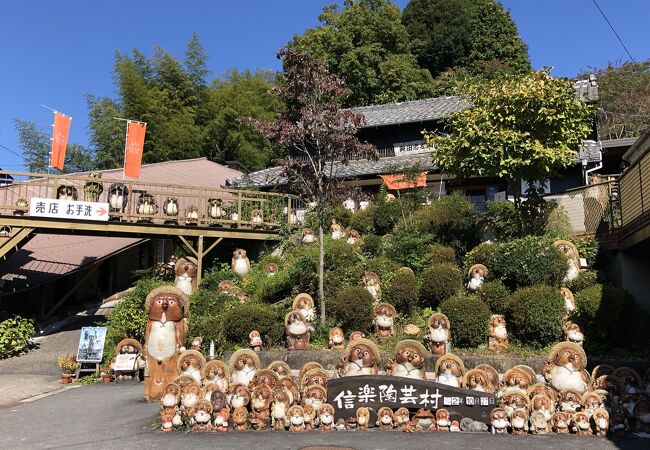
(126, 143)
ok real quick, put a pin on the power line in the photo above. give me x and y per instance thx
(11, 151)
(612, 27)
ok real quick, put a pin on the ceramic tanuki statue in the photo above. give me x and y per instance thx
(519, 422)
(191, 363)
(243, 365)
(573, 257)
(337, 231)
(515, 380)
(305, 304)
(361, 357)
(297, 331)
(560, 421)
(564, 368)
(499, 421)
(573, 333)
(337, 339)
(240, 263)
(569, 301)
(372, 284)
(326, 417)
(442, 420)
(384, 319)
(450, 370)
(167, 308)
(185, 271)
(308, 236)
(478, 380)
(216, 372)
(202, 416)
(261, 398)
(296, 418)
(255, 340)
(132, 348)
(600, 419)
(497, 333)
(280, 408)
(408, 361)
(363, 418)
(439, 334)
(385, 418)
(220, 411)
(476, 275)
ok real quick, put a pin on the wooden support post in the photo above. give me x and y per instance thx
(213, 245)
(199, 260)
(188, 245)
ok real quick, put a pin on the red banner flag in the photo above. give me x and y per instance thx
(60, 132)
(135, 132)
(403, 181)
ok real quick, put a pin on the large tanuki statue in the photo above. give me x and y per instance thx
(168, 309)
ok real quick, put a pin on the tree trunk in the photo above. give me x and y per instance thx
(321, 271)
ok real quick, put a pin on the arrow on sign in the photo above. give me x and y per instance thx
(101, 211)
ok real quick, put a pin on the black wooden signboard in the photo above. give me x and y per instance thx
(375, 391)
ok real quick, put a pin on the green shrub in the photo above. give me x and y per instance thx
(402, 292)
(341, 278)
(409, 246)
(209, 328)
(340, 254)
(382, 266)
(537, 315)
(584, 280)
(362, 220)
(441, 254)
(340, 213)
(241, 319)
(558, 223)
(599, 311)
(468, 318)
(502, 217)
(437, 283)
(371, 245)
(302, 274)
(211, 278)
(386, 215)
(15, 335)
(496, 296)
(352, 308)
(484, 253)
(206, 302)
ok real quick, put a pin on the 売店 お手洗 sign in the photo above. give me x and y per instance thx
(67, 209)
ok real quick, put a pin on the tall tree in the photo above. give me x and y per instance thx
(317, 132)
(461, 33)
(366, 44)
(36, 145)
(519, 128)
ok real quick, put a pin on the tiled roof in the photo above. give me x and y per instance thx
(411, 111)
(357, 168)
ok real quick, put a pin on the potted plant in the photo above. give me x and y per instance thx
(106, 373)
(68, 364)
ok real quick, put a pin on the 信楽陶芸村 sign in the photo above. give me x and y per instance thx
(375, 391)
(68, 209)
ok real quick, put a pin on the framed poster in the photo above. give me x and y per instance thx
(91, 345)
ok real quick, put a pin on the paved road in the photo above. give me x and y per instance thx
(114, 417)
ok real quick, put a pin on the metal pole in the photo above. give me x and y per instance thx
(199, 260)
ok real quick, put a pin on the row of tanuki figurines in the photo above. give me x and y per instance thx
(187, 384)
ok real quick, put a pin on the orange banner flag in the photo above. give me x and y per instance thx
(60, 132)
(403, 181)
(134, 145)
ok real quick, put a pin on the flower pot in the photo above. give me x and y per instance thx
(106, 378)
(66, 378)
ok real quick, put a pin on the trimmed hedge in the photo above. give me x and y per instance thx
(206, 302)
(439, 253)
(362, 220)
(352, 308)
(241, 319)
(537, 315)
(402, 292)
(468, 318)
(599, 311)
(409, 246)
(496, 296)
(371, 245)
(439, 282)
(584, 280)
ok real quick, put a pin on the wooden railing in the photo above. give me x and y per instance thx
(149, 202)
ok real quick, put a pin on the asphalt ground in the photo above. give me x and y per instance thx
(114, 416)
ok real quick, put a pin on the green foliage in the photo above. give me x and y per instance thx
(502, 217)
(558, 223)
(439, 282)
(362, 220)
(409, 246)
(15, 335)
(241, 319)
(386, 215)
(439, 253)
(371, 245)
(205, 302)
(402, 292)
(537, 315)
(599, 311)
(496, 296)
(209, 328)
(469, 318)
(366, 44)
(352, 308)
(212, 277)
(584, 280)
(484, 253)
(382, 265)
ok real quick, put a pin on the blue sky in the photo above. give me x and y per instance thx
(54, 53)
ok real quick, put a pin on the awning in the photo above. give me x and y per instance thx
(405, 181)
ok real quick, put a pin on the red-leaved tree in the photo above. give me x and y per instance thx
(317, 134)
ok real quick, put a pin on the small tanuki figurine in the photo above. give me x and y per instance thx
(305, 304)
(442, 420)
(538, 423)
(296, 418)
(220, 411)
(315, 395)
(171, 398)
(316, 375)
(478, 380)
(280, 368)
(326, 417)
(202, 416)
(243, 365)
(240, 419)
(439, 334)
(357, 335)
(423, 420)
(363, 419)
(349, 205)
(240, 263)
(515, 380)
(560, 421)
(216, 372)
(167, 308)
(450, 370)
(308, 236)
(238, 396)
(361, 357)
(309, 414)
(385, 418)
(337, 231)
(497, 333)
(255, 340)
(401, 418)
(512, 401)
(573, 258)
(564, 368)
(264, 376)
(353, 237)
(271, 269)
(170, 208)
(384, 319)
(192, 215)
(477, 274)
(573, 333)
(519, 422)
(197, 342)
(185, 271)
(257, 217)
(581, 424)
(279, 408)
(190, 362)
(569, 301)
(261, 406)
(227, 287)
(408, 361)
(499, 421)
(215, 209)
(372, 284)
(118, 197)
(337, 339)
(569, 401)
(132, 348)
(297, 331)
(600, 420)
(190, 394)
(167, 423)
